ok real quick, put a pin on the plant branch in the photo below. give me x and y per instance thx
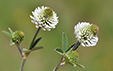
(24, 59)
(22, 64)
(60, 64)
(20, 50)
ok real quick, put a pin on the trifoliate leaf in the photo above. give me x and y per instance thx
(10, 31)
(35, 43)
(64, 42)
(7, 33)
(37, 48)
(58, 50)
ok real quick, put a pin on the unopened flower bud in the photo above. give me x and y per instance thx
(72, 56)
(17, 36)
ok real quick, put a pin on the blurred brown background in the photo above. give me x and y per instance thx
(15, 14)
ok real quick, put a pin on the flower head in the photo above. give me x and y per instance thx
(44, 17)
(86, 33)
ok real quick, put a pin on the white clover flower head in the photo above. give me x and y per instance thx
(44, 17)
(86, 33)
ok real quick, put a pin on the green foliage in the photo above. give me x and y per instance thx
(7, 33)
(35, 43)
(36, 48)
(10, 31)
(79, 65)
(72, 56)
(69, 55)
(26, 50)
(59, 50)
(70, 48)
(12, 43)
(64, 42)
(15, 37)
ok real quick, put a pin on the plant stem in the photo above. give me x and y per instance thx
(20, 50)
(18, 46)
(76, 45)
(24, 59)
(22, 64)
(60, 64)
(35, 35)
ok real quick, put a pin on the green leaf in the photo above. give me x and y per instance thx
(10, 31)
(64, 42)
(80, 65)
(12, 43)
(26, 50)
(35, 43)
(73, 64)
(37, 48)
(7, 33)
(58, 50)
(70, 48)
(77, 64)
(76, 45)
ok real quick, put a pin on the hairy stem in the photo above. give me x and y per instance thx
(22, 64)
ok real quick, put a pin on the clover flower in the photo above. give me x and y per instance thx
(86, 34)
(44, 17)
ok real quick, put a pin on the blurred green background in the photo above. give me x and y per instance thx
(15, 14)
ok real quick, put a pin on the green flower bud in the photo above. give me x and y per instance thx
(72, 56)
(17, 36)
